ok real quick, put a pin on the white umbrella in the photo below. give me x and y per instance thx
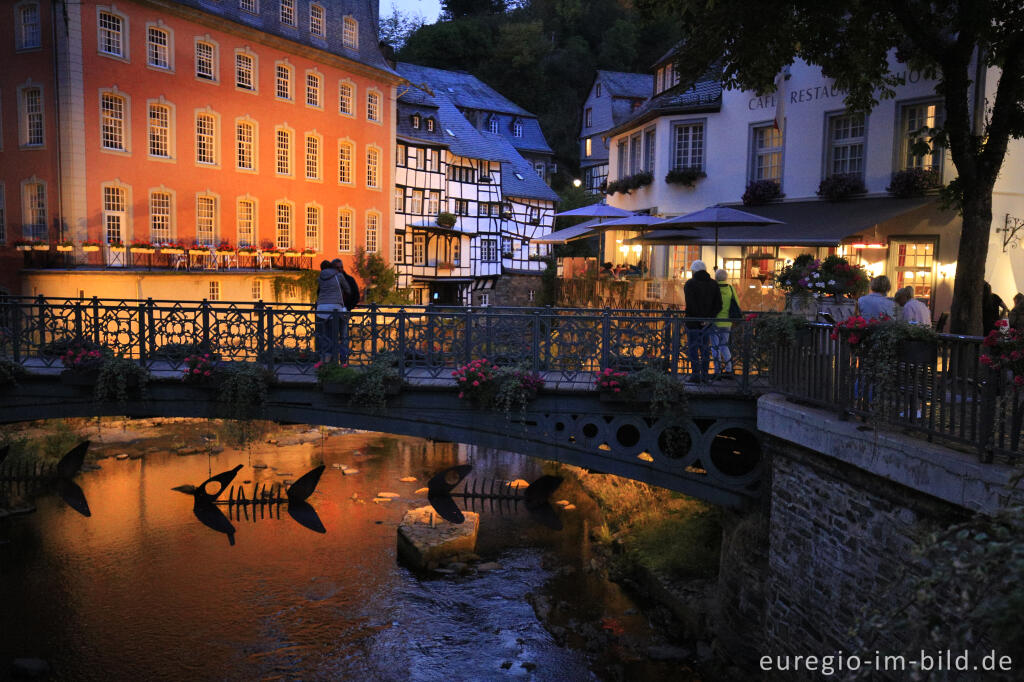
(716, 217)
(598, 210)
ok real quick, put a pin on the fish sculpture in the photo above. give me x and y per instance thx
(499, 496)
(33, 479)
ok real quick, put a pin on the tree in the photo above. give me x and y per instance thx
(395, 28)
(851, 42)
(379, 279)
(456, 9)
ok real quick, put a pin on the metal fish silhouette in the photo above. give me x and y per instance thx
(500, 496)
(34, 478)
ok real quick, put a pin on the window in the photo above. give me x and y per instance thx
(399, 199)
(456, 252)
(346, 95)
(766, 151)
(373, 168)
(416, 121)
(539, 169)
(485, 299)
(112, 123)
(917, 121)
(634, 155)
(206, 137)
(245, 214)
(316, 21)
(649, 149)
(460, 206)
(283, 82)
(597, 90)
(158, 48)
(245, 142)
(206, 220)
(430, 125)
(114, 215)
(433, 156)
(312, 157)
(206, 56)
(345, 153)
(492, 125)
(373, 106)
(419, 249)
(250, 6)
(284, 226)
(398, 248)
(283, 147)
(32, 117)
(517, 129)
(588, 147)
(734, 268)
(257, 290)
(29, 32)
(400, 154)
(489, 250)
(313, 96)
(845, 144)
(245, 72)
(433, 203)
(462, 173)
(160, 131)
(417, 157)
(372, 225)
(913, 264)
(288, 12)
(344, 230)
(688, 146)
(111, 34)
(588, 117)
(159, 217)
(313, 228)
(350, 33)
(417, 202)
(33, 224)
(214, 290)
(623, 158)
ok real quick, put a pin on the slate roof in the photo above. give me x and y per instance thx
(528, 185)
(625, 84)
(467, 92)
(705, 95)
(404, 129)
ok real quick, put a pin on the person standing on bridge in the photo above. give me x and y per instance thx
(703, 300)
(721, 331)
(330, 305)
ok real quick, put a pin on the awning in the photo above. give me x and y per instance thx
(805, 223)
(486, 283)
(433, 228)
(570, 234)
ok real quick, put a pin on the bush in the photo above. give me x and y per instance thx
(119, 375)
(243, 388)
(912, 182)
(629, 183)
(687, 177)
(10, 372)
(841, 186)
(445, 219)
(198, 367)
(761, 192)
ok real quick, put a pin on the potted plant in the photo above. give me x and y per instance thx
(446, 219)
(769, 332)
(116, 245)
(517, 388)
(913, 182)
(477, 382)
(40, 245)
(66, 246)
(366, 387)
(119, 377)
(10, 372)
(309, 253)
(1003, 351)
(246, 250)
(761, 192)
(224, 248)
(82, 361)
(841, 186)
(663, 393)
(197, 249)
(143, 247)
(90, 245)
(172, 249)
(242, 388)
(687, 177)
(199, 367)
(24, 244)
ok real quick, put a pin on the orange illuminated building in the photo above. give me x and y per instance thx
(254, 135)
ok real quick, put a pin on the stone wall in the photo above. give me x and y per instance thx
(511, 290)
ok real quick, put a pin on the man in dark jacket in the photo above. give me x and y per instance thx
(350, 295)
(702, 300)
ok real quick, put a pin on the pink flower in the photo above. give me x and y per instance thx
(476, 383)
(985, 360)
(1002, 323)
(460, 395)
(206, 373)
(195, 371)
(1018, 380)
(617, 390)
(317, 365)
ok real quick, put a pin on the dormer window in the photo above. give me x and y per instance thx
(597, 90)
(430, 125)
(492, 124)
(416, 121)
(517, 128)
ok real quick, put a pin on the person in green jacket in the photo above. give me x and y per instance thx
(721, 330)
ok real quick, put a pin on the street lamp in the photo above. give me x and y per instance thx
(577, 182)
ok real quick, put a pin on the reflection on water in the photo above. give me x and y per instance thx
(143, 591)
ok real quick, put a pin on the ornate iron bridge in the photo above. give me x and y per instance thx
(711, 452)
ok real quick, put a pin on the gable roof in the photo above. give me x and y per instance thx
(704, 95)
(465, 90)
(527, 185)
(625, 84)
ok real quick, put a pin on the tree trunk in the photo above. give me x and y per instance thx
(965, 313)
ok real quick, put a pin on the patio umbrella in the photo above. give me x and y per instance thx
(716, 217)
(638, 221)
(598, 210)
(683, 235)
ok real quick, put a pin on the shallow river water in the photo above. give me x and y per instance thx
(143, 591)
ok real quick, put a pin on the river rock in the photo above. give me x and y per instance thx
(408, 479)
(350, 472)
(563, 503)
(569, 507)
(29, 668)
(667, 652)
(121, 455)
(424, 548)
(519, 483)
(388, 495)
(422, 491)
(489, 566)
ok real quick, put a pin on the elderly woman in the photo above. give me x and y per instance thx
(914, 311)
(876, 304)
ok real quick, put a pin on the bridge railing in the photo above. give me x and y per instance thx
(569, 344)
(945, 394)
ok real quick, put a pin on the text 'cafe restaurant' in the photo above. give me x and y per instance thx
(912, 240)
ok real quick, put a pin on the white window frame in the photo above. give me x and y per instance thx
(246, 147)
(119, 47)
(30, 120)
(214, 292)
(121, 215)
(116, 127)
(250, 6)
(314, 158)
(287, 13)
(257, 290)
(756, 170)
(28, 40)
(346, 225)
(201, 201)
(170, 141)
(346, 162)
(517, 129)
(314, 227)
(489, 250)
(252, 72)
(284, 153)
(419, 248)
(153, 49)
(317, 21)
(347, 98)
(168, 218)
(214, 138)
(492, 125)
(373, 169)
(398, 248)
(289, 82)
(904, 136)
(39, 227)
(685, 152)
(350, 33)
(283, 239)
(374, 109)
(246, 225)
(371, 231)
(846, 144)
(314, 89)
(214, 60)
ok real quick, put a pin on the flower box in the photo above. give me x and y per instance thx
(225, 252)
(23, 247)
(309, 253)
(290, 254)
(40, 247)
(198, 252)
(392, 387)
(90, 247)
(171, 250)
(247, 252)
(142, 249)
(118, 249)
(65, 248)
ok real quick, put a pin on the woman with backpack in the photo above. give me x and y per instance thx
(720, 331)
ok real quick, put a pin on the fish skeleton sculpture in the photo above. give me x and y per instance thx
(36, 478)
(500, 494)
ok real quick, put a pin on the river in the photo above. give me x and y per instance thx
(142, 591)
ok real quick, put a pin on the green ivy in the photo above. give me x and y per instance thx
(118, 377)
